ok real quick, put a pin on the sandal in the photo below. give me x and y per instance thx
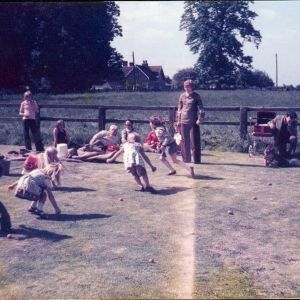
(32, 210)
(171, 173)
(41, 214)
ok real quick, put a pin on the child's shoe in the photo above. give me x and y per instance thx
(32, 210)
(41, 214)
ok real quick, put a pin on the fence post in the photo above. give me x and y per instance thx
(172, 117)
(243, 121)
(101, 118)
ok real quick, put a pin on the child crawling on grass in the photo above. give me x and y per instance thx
(42, 160)
(133, 158)
(36, 186)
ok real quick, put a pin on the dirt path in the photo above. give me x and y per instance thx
(114, 242)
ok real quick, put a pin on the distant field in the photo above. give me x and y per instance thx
(221, 137)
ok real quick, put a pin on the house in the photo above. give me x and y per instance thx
(143, 77)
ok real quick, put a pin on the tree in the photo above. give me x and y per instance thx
(256, 78)
(217, 30)
(66, 45)
(182, 75)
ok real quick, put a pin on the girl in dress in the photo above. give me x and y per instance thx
(36, 186)
(133, 159)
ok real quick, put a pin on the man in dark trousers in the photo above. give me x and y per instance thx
(285, 132)
(190, 116)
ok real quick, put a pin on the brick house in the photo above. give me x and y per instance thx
(144, 77)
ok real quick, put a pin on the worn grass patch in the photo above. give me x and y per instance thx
(226, 284)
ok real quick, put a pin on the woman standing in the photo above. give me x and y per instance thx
(190, 115)
(28, 111)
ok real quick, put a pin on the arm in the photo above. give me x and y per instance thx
(52, 200)
(12, 186)
(21, 112)
(115, 156)
(200, 109)
(272, 123)
(124, 136)
(55, 132)
(180, 105)
(97, 136)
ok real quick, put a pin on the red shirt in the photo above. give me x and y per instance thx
(152, 139)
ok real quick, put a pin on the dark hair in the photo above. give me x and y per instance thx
(130, 121)
(156, 120)
(291, 114)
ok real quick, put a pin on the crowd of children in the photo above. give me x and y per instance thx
(41, 171)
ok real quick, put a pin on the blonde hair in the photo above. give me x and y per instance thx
(54, 170)
(48, 157)
(133, 137)
(27, 94)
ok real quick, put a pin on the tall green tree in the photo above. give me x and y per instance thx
(217, 30)
(66, 45)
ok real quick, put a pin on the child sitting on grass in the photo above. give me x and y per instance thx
(133, 159)
(36, 186)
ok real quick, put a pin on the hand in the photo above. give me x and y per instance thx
(162, 148)
(10, 187)
(199, 121)
(153, 169)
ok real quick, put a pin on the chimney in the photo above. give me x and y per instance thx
(145, 63)
(125, 63)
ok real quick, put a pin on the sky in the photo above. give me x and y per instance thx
(151, 30)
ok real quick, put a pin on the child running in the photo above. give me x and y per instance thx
(167, 146)
(133, 159)
(36, 186)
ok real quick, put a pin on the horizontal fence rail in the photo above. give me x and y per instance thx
(243, 121)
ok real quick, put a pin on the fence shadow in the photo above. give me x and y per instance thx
(72, 189)
(73, 217)
(205, 177)
(29, 233)
(233, 164)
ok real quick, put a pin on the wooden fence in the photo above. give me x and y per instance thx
(243, 121)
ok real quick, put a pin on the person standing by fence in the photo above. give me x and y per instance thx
(190, 116)
(28, 111)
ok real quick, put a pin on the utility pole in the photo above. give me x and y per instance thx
(134, 78)
(276, 70)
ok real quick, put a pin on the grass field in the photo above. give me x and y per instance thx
(213, 137)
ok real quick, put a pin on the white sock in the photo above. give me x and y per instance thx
(33, 204)
(40, 205)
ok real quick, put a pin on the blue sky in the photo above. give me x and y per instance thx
(151, 30)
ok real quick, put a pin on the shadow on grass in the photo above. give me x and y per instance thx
(72, 189)
(29, 233)
(171, 190)
(234, 165)
(72, 217)
(203, 177)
